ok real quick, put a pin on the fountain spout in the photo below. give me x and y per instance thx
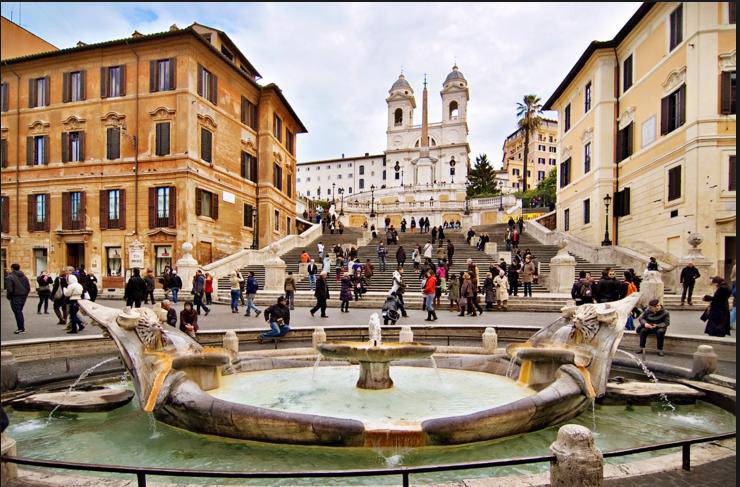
(374, 331)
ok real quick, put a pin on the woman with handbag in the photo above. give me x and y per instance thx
(45, 283)
(717, 315)
(60, 300)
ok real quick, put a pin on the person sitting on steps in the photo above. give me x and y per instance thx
(655, 319)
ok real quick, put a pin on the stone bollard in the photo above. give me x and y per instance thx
(578, 462)
(8, 371)
(491, 248)
(490, 339)
(705, 361)
(8, 471)
(406, 335)
(562, 270)
(318, 337)
(651, 288)
(231, 344)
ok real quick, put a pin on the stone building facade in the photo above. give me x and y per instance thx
(144, 143)
(543, 156)
(648, 119)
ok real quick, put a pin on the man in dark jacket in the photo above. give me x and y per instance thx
(609, 288)
(450, 251)
(135, 290)
(17, 288)
(171, 313)
(278, 315)
(655, 319)
(689, 275)
(322, 295)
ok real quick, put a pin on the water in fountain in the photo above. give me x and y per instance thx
(510, 368)
(82, 377)
(436, 370)
(652, 377)
(316, 366)
(153, 432)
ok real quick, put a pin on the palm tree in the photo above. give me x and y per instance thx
(529, 119)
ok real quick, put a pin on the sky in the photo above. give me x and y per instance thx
(335, 62)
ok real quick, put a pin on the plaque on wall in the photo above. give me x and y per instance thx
(135, 255)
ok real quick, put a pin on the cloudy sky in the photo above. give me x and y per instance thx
(336, 62)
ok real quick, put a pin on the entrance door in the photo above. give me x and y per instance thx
(729, 258)
(75, 254)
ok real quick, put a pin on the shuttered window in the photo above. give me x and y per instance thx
(728, 82)
(565, 173)
(676, 27)
(627, 73)
(5, 214)
(73, 146)
(277, 176)
(3, 153)
(162, 139)
(567, 118)
(37, 150)
(673, 110)
(206, 144)
(248, 215)
(622, 202)
(4, 97)
(162, 206)
(624, 142)
(113, 209)
(73, 86)
(586, 158)
(566, 219)
(38, 213)
(206, 203)
(113, 81)
(674, 183)
(162, 75)
(249, 167)
(113, 143)
(290, 141)
(289, 185)
(249, 113)
(39, 92)
(207, 85)
(73, 210)
(732, 180)
(277, 127)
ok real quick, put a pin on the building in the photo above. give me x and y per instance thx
(399, 165)
(142, 144)
(648, 120)
(15, 41)
(542, 156)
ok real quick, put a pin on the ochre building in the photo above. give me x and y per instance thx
(155, 140)
(649, 120)
(542, 157)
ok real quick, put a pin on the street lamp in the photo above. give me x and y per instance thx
(607, 201)
(333, 200)
(431, 200)
(467, 207)
(341, 195)
(372, 201)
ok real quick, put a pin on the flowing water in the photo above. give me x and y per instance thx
(436, 370)
(316, 366)
(649, 373)
(81, 377)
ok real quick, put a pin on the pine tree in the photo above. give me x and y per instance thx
(482, 179)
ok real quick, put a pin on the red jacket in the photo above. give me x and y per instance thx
(430, 285)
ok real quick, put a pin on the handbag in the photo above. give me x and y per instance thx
(59, 294)
(705, 315)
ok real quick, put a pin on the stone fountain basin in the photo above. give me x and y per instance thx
(576, 357)
(385, 352)
(88, 400)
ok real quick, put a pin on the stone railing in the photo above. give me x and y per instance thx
(548, 220)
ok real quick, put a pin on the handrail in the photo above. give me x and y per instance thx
(405, 472)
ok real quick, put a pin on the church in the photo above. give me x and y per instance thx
(424, 156)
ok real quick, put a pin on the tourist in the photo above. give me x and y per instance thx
(312, 270)
(321, 294)
(467, 296)
(278, 315)
(207, 289)
(353, 253)
(582, 291)
(450, 251)
(400, 256)
(345, 293)
(429, 291)
(382, 254)
(515, 239)
(631, 276)
(321, 250)
(338, 267)
(470, 235)
(608, 288)
(390, 310)
(428, 250)
(372, 231)
(304, 258)
(241, 279)
(17, 289)
(289, 288)
(235, 287)
(368, 269)
(43, 289)
(441, 273)
(389, 237)
(252, 287)
(135, 289)
(434, 235)
(398, 288)
(489, 293)
(149, 286)
(511, 223)
(655, 319)
(403, 225)
(199, 283)
(175, 285)
(74, 292)
(717, 315)
(340, 227)
(166, 281)
(501, 284)
(427, 224)
(359, 284)
(92, 287)
(474, 278)
(171, 318)
(528, 272)
(689, 275)
(440, 233)
(507, 239)
(513, 275)
(416, 257)
(652, 264)
(413, 224)
(520, 225)
(440, 253)
(60, 300)
(453, 291)
(189, 320)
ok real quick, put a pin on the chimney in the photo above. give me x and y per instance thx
(342, 155)
(174, 27)
(80, 44)
(137, 34)
(367, 154)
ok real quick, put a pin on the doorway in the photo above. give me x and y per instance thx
(75, 254)
(729, 257)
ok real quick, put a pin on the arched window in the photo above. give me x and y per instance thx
(454, 110)
(362, 170)
(398, 117)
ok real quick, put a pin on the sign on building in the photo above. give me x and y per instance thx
(136, 255)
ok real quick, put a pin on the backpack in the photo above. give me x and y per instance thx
(631, 288)
(585, 291)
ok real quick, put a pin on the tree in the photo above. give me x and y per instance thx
(545, 191)
(529, 112)
(482, 179)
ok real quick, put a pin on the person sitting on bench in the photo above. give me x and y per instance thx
(655, 319)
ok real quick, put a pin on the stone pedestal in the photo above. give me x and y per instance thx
(318, 337)
(490, 340)
(651, 288)
(506, 255)
(406, 335)
(705, 361)
(186, 267)
(8, 471)
(562, 271)
(474, 240)
(578, 462)
(303, 269)
(274, 271)
(491, 248)
(375, 375)
(8, 371)
(705, 267)
(231, 344)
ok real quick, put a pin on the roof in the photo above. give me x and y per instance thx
(595, 46)
(454, 74)
(242, 57)
(368, 156)
(401, 84)
(546, 120)
(275, 88)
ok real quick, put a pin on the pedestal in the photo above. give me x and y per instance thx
(651, 288)
(578, 461)
(303, 269)
(490, 340)
(186, 267)
(562, 271)
(474, 240)
(491, 248)
(375, 375)
(275, 275)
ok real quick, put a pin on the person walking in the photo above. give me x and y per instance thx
(429, 290)
(515, 239)
(320, 247)
(17, 289)
(235, 288)
(189, 319)
(511, 223)
(467, 296)
(501, 285)
(654, 320)
(149, 285)
(440, 234)
(289, 288)
(489, 292)
(60, 300)
(74, 292)
(92, 287)
(520, 225)
(717, 315)
(43, 289)
(453, 291)
(322, 295)
(689, 275)
(403, 225)
(241, 279)
(312, 270)
(428, 248)
(413, 224)
(507, 239)
(166, 281)
(450, 251)
(207, 289)
(400, 256)
(434, 235)
(252, 287)
(416, 257)
(382, 254)
(278, 315)
(175, 286)
(199, 283)
(608, 288)
(345, 293)
(441, 274)
(135, 289)
(528, 272)
(513, 275)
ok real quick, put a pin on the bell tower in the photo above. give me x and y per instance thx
(455, 97)
(401, 104)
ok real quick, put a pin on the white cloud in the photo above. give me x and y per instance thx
(335, 62)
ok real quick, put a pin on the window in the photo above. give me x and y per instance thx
(624, 142)
(162, 75)
(207, 85)
(113, 209)
(227, 53)
(163, 258)
(38, 92)
(622, 202)
(362, 170)
(732, 180)
(73, 146)
(676, 27)
(541, 147)
(565, 173)
(162, 206)
(566, 219)
(673, 111)
(162, 139)
(567, 118)
(361, 184)
(277, 221)
(37, 150)
(398, 117)
(540, 175)
(3, 153)
(540, 160)
(515, 172)
(38, 212)
(40, 260)
(206, 142)
(4, 96)
(113, 145)
(290, 141)
(277, 127)
(206, 203)
(454, 110)
(289, 185)
(249, 113)
(553, 162)
(113, 261)
(73, 210)
(287, 225)
(73, 86)
(587, 158)
(627, 73)
(586, 211)
(587, 97)
(553, 149)
(248, 215)
(5, 214)
(277, 176)
(731, 12)
(674, 183)
(398, 174)
(249, 167)
(728, 81)
(113, 81)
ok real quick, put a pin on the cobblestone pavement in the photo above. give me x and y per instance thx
(715, 474)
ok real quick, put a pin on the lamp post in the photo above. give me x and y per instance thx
(467, 207)
(372, 201)
(341, 196)
(607, 201)
(333, 199)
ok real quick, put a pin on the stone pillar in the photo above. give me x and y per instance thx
(578, 462)
(318, 337)
(705, 361)
(562, 270)
(8, 471)
(231, 344)
(303, 269)
(8, 371)
(474, 240)
(274, 270)
(406, 335)
(491, 248)
(651, 288)
(703, 285)
(186, 267)
(490, 340)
